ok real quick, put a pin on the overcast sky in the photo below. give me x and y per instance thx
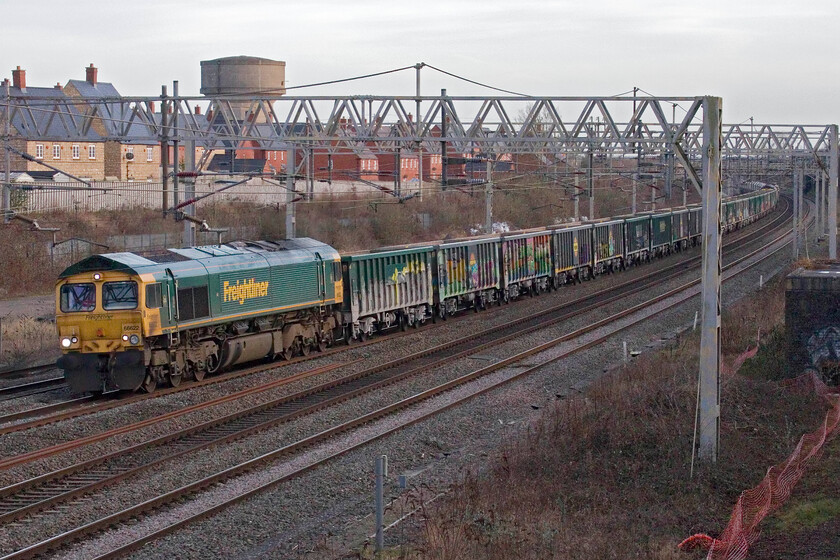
(778, 61)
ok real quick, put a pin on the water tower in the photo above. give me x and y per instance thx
(248, 76)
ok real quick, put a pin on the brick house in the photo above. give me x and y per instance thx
(41, 135)
(135, 160)
(408, 166)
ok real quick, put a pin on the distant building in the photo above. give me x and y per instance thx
(38, 133)
(126, 160)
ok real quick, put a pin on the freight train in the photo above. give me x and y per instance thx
(132, 322)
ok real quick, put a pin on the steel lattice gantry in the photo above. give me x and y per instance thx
(487, 125)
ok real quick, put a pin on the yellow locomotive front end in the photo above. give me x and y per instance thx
(99, 321)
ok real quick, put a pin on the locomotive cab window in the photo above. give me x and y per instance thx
(154, 298)
(119, 295)
(336, 271)
(78, 297)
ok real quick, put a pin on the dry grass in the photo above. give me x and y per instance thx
(606, 475)
(27, 341)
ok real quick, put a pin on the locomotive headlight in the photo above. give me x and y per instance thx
(97, 276)
(74, 340)
(66, 342)
(125, 338)
(134, 339)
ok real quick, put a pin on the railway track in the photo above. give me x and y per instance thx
(296, 405)
(26, 371)
(473, 343)
(65, 410)
(31, 388)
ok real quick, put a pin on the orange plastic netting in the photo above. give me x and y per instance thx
(757, 503)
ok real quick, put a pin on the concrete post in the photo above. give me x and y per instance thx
(711, 276)
(176, 156)
(291, 169)
(795, 226)
(824, 202)
(832, 196)
(488, 199)
(418, 120)
(817, 198)
(164, 149)
(188, 239)
(591, 186)
(380, 470)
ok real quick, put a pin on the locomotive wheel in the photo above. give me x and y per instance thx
(287, 354)
(199, 374)
(305, 348)
(149, 384)
(175, 379)
(363, 336)
(212, 364)
(322, 345)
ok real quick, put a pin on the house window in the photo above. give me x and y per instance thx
(149, 154)
(39, 151)
(56, 151)
(130, 150)
(75, 151)
(92, 151)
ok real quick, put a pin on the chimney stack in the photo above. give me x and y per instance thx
(19, 78)
(197, 110)
(59, 87)
(90, 74)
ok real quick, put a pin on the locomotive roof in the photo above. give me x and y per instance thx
(159, 261)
